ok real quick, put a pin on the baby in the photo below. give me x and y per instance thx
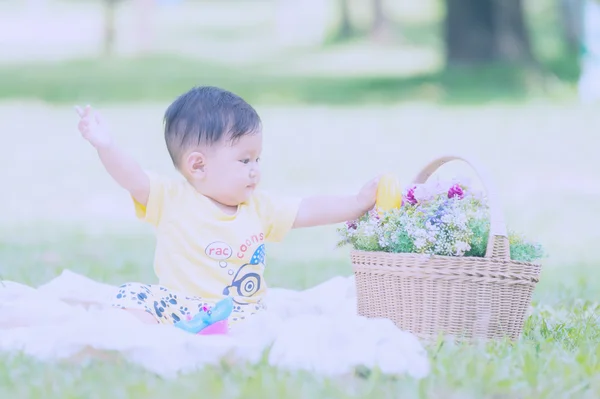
(211, 225)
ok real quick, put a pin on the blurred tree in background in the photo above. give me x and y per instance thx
(571, 21)
(345, 26)
(381, 25)
(380, 29)
(476, 32)
(309, 51)
(110, 9)
(143, 15)
(486, 32)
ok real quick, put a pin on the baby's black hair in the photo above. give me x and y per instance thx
(207, 115)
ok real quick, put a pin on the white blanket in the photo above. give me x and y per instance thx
(315, 330)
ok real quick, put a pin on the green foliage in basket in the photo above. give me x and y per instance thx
(438, 218)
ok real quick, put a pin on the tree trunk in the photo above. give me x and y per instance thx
(345, 31)
(145, 10)
(380, 28)
(469, 32)
(512, 37)
(301, 24)
(571, 21)
(480, 32)
(109, 27)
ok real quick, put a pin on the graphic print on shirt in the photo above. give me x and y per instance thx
(248, 281)
(220, 251)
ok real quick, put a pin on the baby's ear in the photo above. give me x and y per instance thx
(195, 163)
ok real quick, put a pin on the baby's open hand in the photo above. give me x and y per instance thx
(367, 195)
(92, 128)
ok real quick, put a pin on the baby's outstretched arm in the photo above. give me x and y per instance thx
(122, 167)
(323, 210)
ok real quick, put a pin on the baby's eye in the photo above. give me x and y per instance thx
(245, 160)
(257, 159)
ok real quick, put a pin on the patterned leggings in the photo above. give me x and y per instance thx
(169, 307)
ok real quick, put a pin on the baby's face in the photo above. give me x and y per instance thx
(232, 171)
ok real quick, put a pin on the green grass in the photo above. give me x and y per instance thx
(63, 212)
(331, 122)
(202, 43)
(558, 356)
(162, 78)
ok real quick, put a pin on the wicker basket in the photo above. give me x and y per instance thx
(464, 297)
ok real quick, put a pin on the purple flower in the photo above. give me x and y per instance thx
(374, 214)
(352, 224)
(456, 191)
(410, 196)
(434, 216)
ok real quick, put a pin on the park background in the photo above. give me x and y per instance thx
(346, 89)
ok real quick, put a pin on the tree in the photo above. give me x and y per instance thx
(345, 30)
(380, 28)
(108, 42)
(145, 11)
(512, 36)
(571, 21)
(486, 31)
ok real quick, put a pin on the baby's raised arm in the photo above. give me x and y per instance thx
(122, 167)
(324, 210)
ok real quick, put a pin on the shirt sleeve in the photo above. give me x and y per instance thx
(152, 212)
(277, 213)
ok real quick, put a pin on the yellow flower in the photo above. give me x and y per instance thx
(389, 194)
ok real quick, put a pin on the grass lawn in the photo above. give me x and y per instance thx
(332, 120)
(234, 44)
(60, 210)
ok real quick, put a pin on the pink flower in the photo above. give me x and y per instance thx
(410, 196)
(456, 191)
(374, 214)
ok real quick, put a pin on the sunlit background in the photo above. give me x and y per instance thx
(346, 89)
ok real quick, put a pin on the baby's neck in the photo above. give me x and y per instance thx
(228, 209)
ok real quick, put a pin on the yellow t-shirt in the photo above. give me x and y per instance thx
(202, 251)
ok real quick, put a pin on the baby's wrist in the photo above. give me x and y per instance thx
(363, 205)
(104, 145)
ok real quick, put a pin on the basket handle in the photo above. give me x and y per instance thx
(498, 246)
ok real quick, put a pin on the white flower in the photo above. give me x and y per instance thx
(439, 187)
(382, 241)
(461, 247)
(423, 193)
(420, 243)
(449, 236)
(448, 218)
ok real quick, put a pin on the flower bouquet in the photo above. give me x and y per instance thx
(440, 261)
(436, 218)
